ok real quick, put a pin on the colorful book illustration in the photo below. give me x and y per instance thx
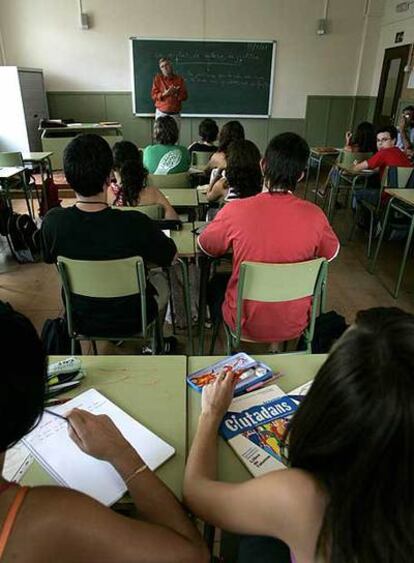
(248, 371)
(255, 427)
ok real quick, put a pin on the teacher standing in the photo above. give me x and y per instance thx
(168, 91)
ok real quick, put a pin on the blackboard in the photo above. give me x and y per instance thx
(223, 78)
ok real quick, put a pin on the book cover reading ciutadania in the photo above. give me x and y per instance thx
(255, 426)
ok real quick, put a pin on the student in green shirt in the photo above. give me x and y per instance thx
(165, 156)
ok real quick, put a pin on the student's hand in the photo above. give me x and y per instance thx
(402, 124)
(348, 137)
(217, 396)
(96, 435)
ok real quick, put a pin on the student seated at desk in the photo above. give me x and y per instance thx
(165, 156)
(242, 176)
(57, 524)
(388, 155)
(91, 230)
(364, 139)
(131, 187)
(348, 493)
(208, 131)
(231, 131)
(273, 227)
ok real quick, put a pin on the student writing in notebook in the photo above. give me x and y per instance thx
(348, 494)
(57, 524)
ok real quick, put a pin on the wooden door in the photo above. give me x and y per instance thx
(392, 78)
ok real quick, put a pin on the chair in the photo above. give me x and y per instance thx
(200, 159)
(275, 283)
(106, 279)
(393, 177)
(16, 159)
(401, 178)
(153, 211)
(162, 181)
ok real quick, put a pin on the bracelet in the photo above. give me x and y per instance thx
(135, 473)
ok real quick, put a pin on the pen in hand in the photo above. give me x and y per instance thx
(57, 415)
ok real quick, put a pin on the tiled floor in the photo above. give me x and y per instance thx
(34, 289)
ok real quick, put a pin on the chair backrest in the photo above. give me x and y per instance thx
(200, 159)
(275, 283)
(161, 181)
(103, 279)
(154, 211)
(11, 159)
(399, 177)
(347, 158)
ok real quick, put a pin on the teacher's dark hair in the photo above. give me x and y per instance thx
(87, 163)
(165, 130)
(231, 131)
(23, 377)
(128, 162)
(284, 162)
(354, 432)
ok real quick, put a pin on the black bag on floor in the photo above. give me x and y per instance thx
(328, 328)
(55, 338)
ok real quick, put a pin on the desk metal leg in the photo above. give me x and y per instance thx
(187, 303)
(318, 173)
(374, 260)
(404, 259)
(205, 263)
(307, 178)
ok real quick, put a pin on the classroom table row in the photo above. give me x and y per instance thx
(153, 390)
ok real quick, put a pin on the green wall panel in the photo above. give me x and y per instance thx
(83, 107)
(317, 116)
(339, 120)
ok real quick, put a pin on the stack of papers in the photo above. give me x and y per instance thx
(52, 447)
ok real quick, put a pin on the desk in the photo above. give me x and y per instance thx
(6, 174)
(151, 389)
(352, 177)
(296, 370)
(402, 200)
(55, 139)
(317, 154)
(42, 159)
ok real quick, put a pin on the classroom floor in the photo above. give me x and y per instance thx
(34, 289)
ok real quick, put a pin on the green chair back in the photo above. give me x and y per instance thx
(162, 181)
(11, 159)
(200, 159)
(275, 283)
(154, 211)
(102, 279)
(347, 158)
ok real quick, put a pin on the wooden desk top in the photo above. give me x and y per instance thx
(324, 151)
(35, 156)
(7, 172)
(353, 172)
(152, 389)
(296, 370)
(181, 197)
(405, 195)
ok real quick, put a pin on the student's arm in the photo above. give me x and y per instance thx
(169, 211)
(266, 505)
(217, 190)
(329, 245)
(48, 232)
(92, 532)
(216, 239)
(160, 250)
(361, 166)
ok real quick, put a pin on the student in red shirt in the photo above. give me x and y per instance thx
(388, 155)
(274, 227)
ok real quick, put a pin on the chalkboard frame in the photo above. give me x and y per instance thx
(218, 115)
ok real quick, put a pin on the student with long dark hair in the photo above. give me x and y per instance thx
(131, 176)
(56, 523)
(242, 176)
(231, 131)
(364, 139)
(348, 493)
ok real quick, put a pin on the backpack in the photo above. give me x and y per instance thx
(328, 328)
(52, 197)
(22, 231)
(55, 338)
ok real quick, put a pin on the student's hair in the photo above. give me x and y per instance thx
(87, 163)
(243, 171)
(231, 131)
(128, 162)
(408, 108)
(208, 130)
(354, 432)
(284, 161)
(165, 130)
(365, 137)
(23, 377)
(388, 129)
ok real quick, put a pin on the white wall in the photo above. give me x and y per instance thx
(45, 34)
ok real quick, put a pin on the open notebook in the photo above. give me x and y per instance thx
(50, 444)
